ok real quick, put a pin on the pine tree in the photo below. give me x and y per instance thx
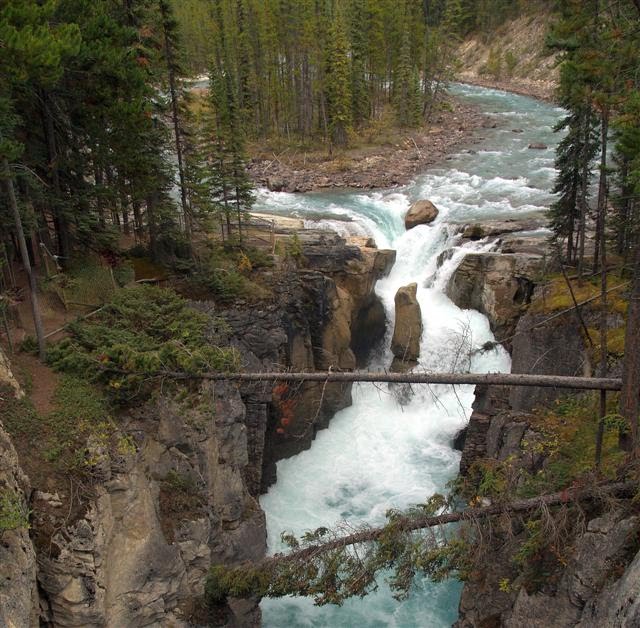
(174, 69)
(338, 83)
(407, 87)
(360, 95)
(33, 54)
(574, 159)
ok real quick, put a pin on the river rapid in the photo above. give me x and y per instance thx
(377, 455)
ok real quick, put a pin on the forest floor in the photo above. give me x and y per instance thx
(381, 157)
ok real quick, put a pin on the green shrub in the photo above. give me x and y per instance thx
(124, 273)
(493, 66)
(13, 512)
(294, 248)
(511, 61)
(29, 345)
(144, 331)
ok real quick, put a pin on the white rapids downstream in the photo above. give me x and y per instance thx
(377, 455)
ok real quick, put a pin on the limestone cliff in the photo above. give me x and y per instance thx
(18, 592)
(593, 584)
(498, 285)
(157, 519)
(132, 547)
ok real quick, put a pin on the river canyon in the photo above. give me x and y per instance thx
(378, 454)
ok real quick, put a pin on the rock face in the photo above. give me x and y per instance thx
(495, 228)
(7, 378)
(420, 213)
(327, 317)
(578, 601)
(18, 588)
(407, 331)
(541, 348)
(182, 493)
(355, 270)
(496, 284)
(160, 517)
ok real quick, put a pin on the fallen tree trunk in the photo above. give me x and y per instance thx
(410, 524)
(455, 379)
(342, 567)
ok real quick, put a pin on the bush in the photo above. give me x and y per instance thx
(511, 61)
(493, 66)
(145, 331)
(124, 273)
(13, 512)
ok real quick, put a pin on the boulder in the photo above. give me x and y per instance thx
(420, 213)
(538, 146)
(275, 184)
(408, 327)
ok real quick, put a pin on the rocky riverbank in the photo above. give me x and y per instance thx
(377, 165)
(540, 89)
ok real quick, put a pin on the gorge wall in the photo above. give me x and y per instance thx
(181, 494)
(596, 584)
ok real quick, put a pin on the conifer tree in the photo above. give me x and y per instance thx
(407, 87)
(338, 83)
(174, 69)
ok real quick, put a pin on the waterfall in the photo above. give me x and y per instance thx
(376, 454)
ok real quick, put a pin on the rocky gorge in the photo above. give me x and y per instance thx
(183, 496)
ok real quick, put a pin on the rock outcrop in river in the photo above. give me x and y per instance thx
(420, 213)
(407, 330)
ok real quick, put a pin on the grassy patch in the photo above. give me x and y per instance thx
(71, 440)
(229, 273)
(89, 284)
(557, 297)
(569, 435)
(13, 512)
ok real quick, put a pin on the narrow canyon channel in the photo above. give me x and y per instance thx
(378, 454)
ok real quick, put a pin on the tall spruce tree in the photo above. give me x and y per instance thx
(338, 83)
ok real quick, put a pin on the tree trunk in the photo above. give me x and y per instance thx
(24, 254)
(451, 379)
(175, 115)
(630, 393)
(584, 185)
(602, 247)
(60, 220)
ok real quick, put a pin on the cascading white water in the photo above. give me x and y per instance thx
(377, 455)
